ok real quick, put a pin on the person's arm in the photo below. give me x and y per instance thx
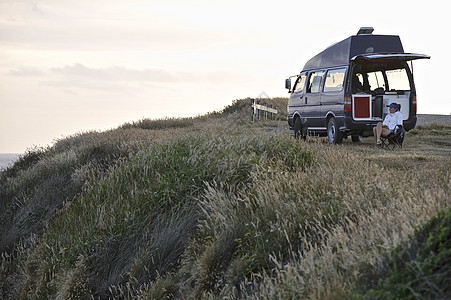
(399, 118)
(385, 123)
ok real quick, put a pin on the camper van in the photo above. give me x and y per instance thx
(344, 90)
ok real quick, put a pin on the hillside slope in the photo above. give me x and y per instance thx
(213, 207)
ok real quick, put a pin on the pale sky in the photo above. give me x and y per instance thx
(72, 66)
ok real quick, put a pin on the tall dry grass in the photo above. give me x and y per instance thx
(210, 208)
(323, 227)
(380, 208)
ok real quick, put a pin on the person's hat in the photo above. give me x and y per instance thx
(394, 105)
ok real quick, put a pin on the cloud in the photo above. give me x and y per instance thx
(123, 26)
(27, 72)
(73, 78)
(66, 26)
(110, 80)
(116, 74)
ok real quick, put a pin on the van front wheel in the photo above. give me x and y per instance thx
(298, 130)
(334, 134)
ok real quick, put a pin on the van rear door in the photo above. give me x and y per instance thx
(388, 57)
(399, 86)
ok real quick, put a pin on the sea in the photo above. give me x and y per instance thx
(7, 159)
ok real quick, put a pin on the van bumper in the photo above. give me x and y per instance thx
(365, 128)
(410, 123)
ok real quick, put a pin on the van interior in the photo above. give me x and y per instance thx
(383, 83)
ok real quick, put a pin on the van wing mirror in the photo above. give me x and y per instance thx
(288, 84)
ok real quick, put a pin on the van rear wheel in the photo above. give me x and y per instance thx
(356, 138)
(334, 134)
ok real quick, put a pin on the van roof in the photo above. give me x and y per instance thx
(341, 53)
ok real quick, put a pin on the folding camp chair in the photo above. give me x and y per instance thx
(394, 139)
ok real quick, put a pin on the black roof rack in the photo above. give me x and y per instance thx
(365, 30)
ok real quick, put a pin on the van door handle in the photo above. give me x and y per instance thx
(305, 100)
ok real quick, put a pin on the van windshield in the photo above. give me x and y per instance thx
(300, 83)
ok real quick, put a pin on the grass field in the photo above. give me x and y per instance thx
(218, 207)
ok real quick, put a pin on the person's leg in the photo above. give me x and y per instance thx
(377, 131)
(385, 131)
(375, 134)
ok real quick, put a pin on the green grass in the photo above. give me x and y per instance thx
(212, 207)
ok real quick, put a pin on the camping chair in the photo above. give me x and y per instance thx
(394, 139)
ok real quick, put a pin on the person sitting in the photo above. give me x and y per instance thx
(393, 119)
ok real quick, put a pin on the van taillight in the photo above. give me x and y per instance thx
(414, 104)
(348, 104)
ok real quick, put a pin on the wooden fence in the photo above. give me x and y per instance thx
(260, 111)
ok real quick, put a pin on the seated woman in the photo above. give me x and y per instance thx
(391, 120)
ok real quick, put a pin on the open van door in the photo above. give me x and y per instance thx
(388, 57)
(396, 85)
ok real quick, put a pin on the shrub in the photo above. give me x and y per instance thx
(159, 124)
(31, 156)
(421, 267)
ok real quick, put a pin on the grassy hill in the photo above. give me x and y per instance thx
(218, 207)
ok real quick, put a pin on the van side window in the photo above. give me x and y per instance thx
(314, 84)
(376, 80)
(300, 83)
(334, 80)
